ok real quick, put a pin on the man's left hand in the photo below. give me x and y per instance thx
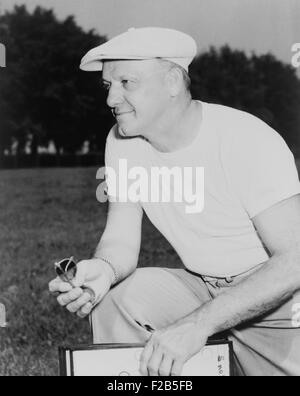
(169, 349)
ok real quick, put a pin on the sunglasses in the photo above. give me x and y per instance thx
(66, 270)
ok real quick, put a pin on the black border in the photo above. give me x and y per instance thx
(231, 359)
(62, 361)
(63, 350)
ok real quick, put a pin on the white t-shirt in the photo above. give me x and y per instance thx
(247, 168)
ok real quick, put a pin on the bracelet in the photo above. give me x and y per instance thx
(112, 267)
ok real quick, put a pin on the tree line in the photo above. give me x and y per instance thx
(45, 97)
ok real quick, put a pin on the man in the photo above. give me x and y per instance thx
(241, 250)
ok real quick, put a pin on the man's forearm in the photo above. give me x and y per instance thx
(122, 257)
(263, 291)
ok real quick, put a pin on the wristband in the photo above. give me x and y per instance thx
(116, 280)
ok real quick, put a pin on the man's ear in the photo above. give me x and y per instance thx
(174, 79)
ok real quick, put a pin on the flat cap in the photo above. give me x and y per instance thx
(143, 43)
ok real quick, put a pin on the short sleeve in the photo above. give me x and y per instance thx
(260, 166)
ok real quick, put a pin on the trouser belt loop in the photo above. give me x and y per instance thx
(229, 279)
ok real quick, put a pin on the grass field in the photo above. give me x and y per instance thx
(46, 215)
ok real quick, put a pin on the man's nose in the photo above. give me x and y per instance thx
(115, 97)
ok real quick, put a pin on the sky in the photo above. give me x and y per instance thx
(252, 25)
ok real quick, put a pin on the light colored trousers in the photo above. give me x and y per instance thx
(153, 298)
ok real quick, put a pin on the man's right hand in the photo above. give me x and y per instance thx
(94, 274)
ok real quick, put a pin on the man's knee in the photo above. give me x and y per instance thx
(128, 296)
(120, 316)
